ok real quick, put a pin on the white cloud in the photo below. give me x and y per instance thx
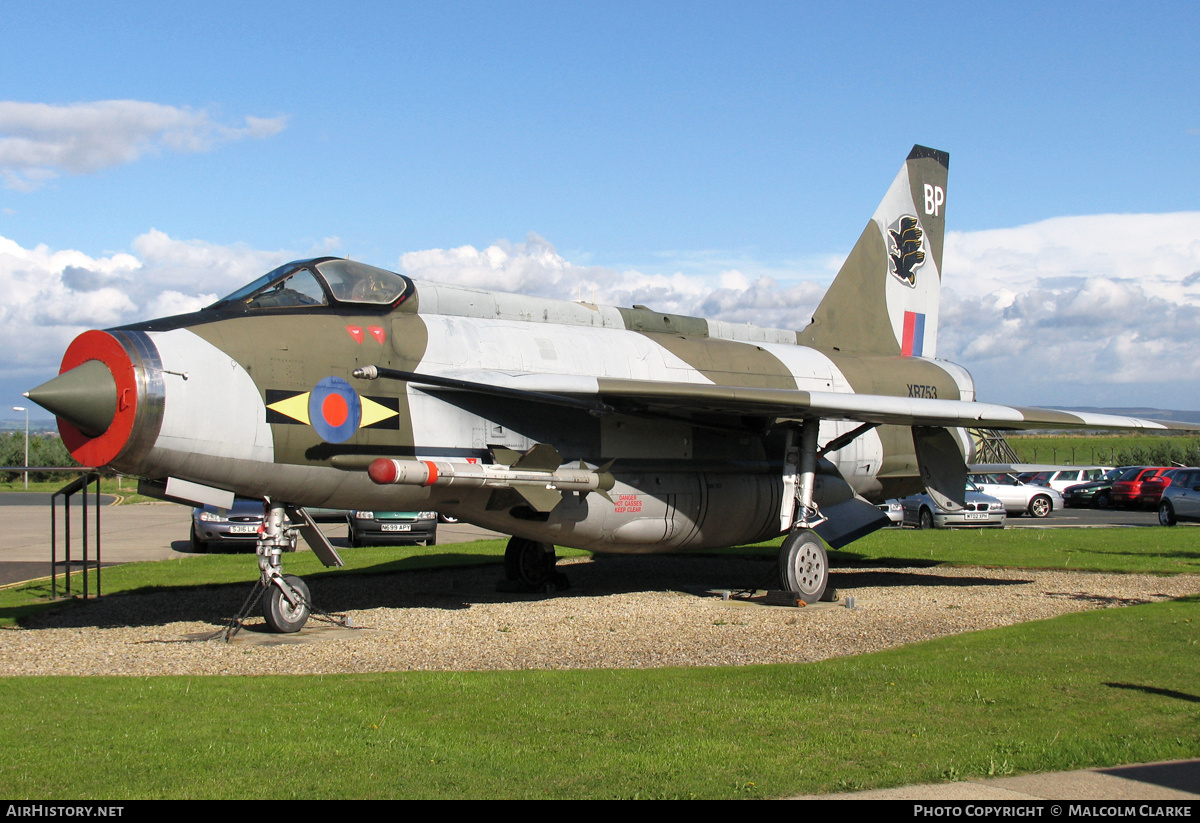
(1089, 310)
(47, 297)
(39, 141)
(1100, 310)
(535, 267)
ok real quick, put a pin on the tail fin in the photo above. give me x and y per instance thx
(884, 299)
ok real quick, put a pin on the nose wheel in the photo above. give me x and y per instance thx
(282, 615)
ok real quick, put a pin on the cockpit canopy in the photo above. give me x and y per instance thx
(320, 282)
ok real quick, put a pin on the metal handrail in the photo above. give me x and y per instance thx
(66, 492)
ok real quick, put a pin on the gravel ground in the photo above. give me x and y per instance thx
(621, 612)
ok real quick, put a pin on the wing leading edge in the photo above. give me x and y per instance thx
(672, 400)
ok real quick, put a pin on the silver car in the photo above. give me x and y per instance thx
(894, 510)
(1181, 499)
(981, 511)
(234, 528)
(1019, 498)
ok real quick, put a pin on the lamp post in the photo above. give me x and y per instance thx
(24, 409)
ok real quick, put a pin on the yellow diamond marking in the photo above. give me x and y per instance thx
(294, 407)
(373, 412)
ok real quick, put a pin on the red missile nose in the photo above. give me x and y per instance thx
(94, 398)
(382, 471)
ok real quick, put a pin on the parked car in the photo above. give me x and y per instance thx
(1019, 498)
(371, 527)
(1096, 494)
(1063, 479)
(894, 509)
(981, 510)
(1181, 499)
(1153, 488)
(235, 527)
(1127, 488)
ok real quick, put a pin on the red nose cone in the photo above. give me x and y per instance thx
(382, 471)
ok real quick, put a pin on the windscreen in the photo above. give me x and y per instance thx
(310, 283)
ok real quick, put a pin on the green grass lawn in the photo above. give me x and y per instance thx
(1088, 689)
(1098, 450)
(1153, 550)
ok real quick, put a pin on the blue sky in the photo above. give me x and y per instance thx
(704, 157)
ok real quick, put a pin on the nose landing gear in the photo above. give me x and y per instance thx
(287, 603)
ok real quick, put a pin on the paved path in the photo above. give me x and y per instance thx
(1174, 780)
(142, 531)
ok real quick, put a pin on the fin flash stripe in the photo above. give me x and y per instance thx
(914, 334)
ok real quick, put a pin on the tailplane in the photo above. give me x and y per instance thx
(884, 299)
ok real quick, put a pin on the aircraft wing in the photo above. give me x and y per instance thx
(676, 400)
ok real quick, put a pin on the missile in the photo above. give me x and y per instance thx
(529, 475)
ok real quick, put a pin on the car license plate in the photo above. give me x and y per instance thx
(976, 515)
(243, 529)
(396, 527)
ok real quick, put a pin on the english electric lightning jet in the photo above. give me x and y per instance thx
(331, 383)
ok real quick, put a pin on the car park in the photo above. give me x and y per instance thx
(1097, 494)
(236, 527)
(1019, 498)
(1181, 499)
(1062, 479)
(981, 511)
(1153, 488)
(374, 527)
(1127, 488)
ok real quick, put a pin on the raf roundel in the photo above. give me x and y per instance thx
(334, 410)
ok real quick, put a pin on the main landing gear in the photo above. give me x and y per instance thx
(529, 567)
(803, 561)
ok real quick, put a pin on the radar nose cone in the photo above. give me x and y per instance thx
(85, 397)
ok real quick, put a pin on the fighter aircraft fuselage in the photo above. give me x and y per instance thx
(229, 396)
(331, 383)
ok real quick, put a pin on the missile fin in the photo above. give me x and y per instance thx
(542, 457)
(539, 498)
(503, 456)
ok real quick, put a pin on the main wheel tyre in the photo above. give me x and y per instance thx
(529, 563)
(1040, 506)
(925, 519)
(1166, 514)
(804, 565)
(1102, 500)
(282, 616)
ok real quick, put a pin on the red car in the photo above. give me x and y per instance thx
(1127, 489)
(1152, 489)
